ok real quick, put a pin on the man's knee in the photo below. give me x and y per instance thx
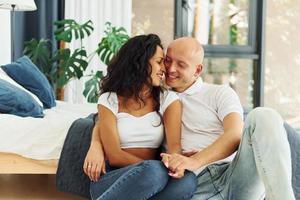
(264, 115)
(265, 122)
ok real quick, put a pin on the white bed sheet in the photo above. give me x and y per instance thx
(41, 138)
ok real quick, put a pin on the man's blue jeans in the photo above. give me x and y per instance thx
(145, 180)
(261, 168)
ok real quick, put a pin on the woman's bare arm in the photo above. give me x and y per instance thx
(94, 161)
(111, 141)
(172, 125)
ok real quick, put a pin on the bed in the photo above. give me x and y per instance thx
(33, 145)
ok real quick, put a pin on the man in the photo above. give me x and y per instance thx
(212, 124)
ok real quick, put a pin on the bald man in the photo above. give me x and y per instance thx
(233, 160)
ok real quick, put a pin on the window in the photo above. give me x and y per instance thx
(282, 60)
(237, 73)
(217, 23)
(155, 16)
(232, 34)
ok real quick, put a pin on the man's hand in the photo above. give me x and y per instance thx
(165, 159)
(176, 162)
(94, 162)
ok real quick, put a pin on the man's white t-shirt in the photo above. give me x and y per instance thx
(204, 108)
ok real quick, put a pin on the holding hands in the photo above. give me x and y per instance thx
(177, 163)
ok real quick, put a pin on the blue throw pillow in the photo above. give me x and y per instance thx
(15, 101)
(24, 72)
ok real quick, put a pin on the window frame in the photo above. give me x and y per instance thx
(254, 50)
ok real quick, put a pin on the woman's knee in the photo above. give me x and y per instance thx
(188, 184)
(180, 189)
(154, 171)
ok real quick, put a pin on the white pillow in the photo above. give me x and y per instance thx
(7, 78)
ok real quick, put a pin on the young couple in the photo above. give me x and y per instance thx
(202, 125)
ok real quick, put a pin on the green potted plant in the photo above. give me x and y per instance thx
(63, 65)
(109, 45)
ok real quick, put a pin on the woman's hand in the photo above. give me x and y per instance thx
(94, 163)
(176, 162)
(179, 173)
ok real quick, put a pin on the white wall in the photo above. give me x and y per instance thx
(5, 45)
(155, 16)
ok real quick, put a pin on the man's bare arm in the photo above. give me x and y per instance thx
(223, 147)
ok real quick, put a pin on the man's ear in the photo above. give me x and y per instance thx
(199, 68)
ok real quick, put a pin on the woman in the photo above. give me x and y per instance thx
(134, 113)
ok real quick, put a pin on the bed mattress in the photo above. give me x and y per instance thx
(41, 138)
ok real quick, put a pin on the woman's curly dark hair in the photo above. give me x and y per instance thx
(130, 70)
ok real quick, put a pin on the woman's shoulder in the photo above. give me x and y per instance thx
(109, 100)
(168, 94)
(110, 95)
(166, 98)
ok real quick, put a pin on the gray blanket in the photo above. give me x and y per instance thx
(70, 176)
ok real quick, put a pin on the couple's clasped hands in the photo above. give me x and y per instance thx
(177, 163)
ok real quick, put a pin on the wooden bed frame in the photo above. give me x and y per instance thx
(15, 164)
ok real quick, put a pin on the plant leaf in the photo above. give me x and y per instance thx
(70, 65)
(92, 89)
(40, 54)
(111, 43)
(68, 28)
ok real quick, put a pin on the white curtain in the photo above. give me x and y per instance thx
(118, 12)
(5, 37)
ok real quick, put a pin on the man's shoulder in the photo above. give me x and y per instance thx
(219, 93)
(217, 88)
(214, 88)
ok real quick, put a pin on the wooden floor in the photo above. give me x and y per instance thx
(33, 187)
